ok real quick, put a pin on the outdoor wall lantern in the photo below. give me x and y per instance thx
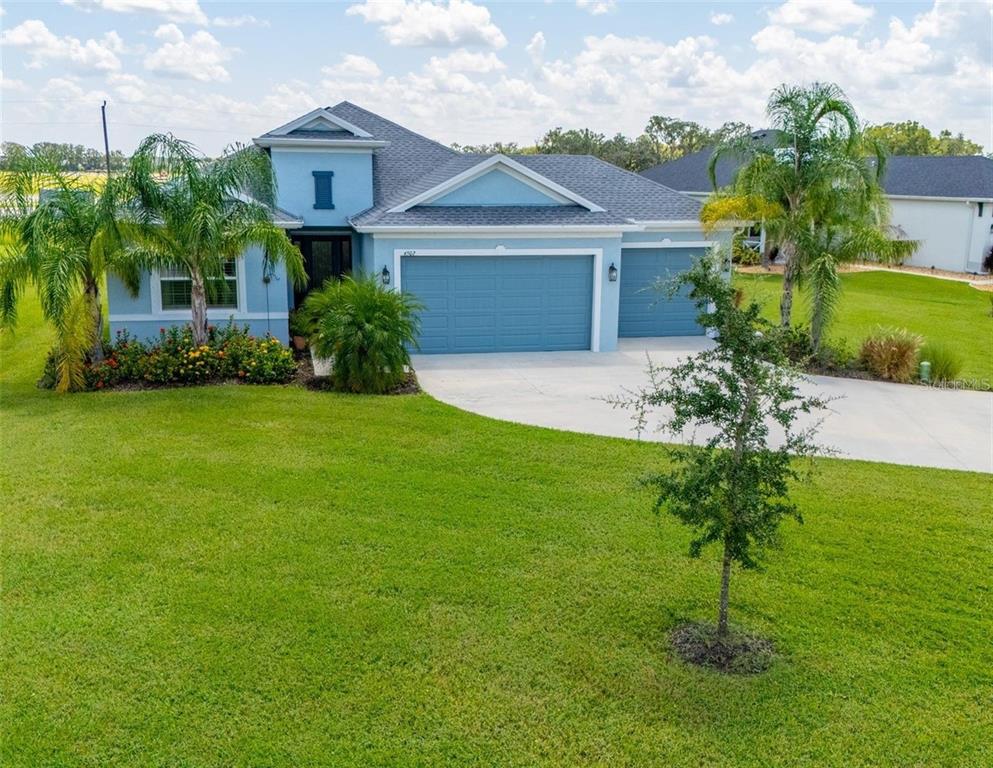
(386, 276)
(612, 273)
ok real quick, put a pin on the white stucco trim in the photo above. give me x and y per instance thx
(596, 253)
(938, 199)
(155, 284)
(320, 114)
(510, 230)
(521, 172)
(667, 243)
(212, 314)
(290, 142)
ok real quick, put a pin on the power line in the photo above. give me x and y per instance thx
(112, 102)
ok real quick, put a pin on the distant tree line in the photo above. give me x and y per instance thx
(669, 138)
(66, 157)
(912, 138)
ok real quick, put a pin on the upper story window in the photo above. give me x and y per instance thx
(980, 211)
(176, 288)
(323, 192)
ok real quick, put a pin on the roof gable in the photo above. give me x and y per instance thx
(553, 191)
(499, 186)
(321, 120)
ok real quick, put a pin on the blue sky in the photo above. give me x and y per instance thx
(476, 72)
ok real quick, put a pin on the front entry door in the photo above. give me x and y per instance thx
(324, 257)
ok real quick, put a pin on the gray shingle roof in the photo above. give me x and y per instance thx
(408, 156)
(951, 176)
(411, 164)
(955, 176)
(625, 196)
(494, 215)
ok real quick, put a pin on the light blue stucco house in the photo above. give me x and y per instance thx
(529, 252)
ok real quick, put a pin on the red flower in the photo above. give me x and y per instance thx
(100, 385)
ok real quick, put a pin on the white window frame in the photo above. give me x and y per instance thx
(217, 313)
(596, 253)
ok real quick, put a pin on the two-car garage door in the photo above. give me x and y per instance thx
(501, 303)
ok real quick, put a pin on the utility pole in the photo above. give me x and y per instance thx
(106, 143)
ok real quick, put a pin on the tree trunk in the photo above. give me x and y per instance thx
(92, 289)
(198, 303)
(722, 612)
(788, 252)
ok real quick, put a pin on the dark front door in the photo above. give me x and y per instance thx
(324, 257)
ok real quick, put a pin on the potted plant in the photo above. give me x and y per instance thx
(298, 331)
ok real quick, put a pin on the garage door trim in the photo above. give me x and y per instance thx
(597, 253)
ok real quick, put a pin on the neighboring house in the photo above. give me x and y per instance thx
(539, 252)
(945, 203)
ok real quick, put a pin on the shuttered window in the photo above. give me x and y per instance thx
(323, 197)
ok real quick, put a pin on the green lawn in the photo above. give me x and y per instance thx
(239, 576)
(939, 310)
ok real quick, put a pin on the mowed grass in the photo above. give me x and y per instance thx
(951, 312)
(268, 576)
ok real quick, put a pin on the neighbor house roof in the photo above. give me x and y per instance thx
(907, 175)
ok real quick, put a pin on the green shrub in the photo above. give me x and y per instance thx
(741, 253)
(365, 330)
(795, 343)
(946, 363)
(891, 353)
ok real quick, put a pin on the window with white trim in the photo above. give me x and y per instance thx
(175, 287)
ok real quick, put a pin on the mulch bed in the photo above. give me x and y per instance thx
(305, 377)
(739, 653)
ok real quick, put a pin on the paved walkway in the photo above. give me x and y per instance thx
(901, 424)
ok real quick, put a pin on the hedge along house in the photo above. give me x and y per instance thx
(522, 253)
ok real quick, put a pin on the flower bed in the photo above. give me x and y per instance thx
(230, 353)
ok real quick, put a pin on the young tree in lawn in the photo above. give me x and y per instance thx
(63, 233)
(206, 213)
(733, 488)
(814, 155)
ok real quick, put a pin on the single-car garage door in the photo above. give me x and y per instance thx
(645, 311)
(501, 303)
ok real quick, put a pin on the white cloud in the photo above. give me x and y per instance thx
(180, 11)
(424, 23)
(199, 56)
(9, 84)
(597, 7)
(43, 46)
(239, 21)
(820, 15)
(720, 19)
(933, 67)
(466, 61)
(353, 65)
(536, 48)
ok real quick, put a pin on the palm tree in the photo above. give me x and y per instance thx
(844, 235)
(814, 157)
(206, 213)
(62, 233)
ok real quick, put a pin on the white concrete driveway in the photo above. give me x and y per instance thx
(901, 424)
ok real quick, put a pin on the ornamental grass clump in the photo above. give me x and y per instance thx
(946, 363)
(366, 330)
(891, 353)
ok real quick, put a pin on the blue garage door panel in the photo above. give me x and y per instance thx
(501, 303)
(648, 312)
